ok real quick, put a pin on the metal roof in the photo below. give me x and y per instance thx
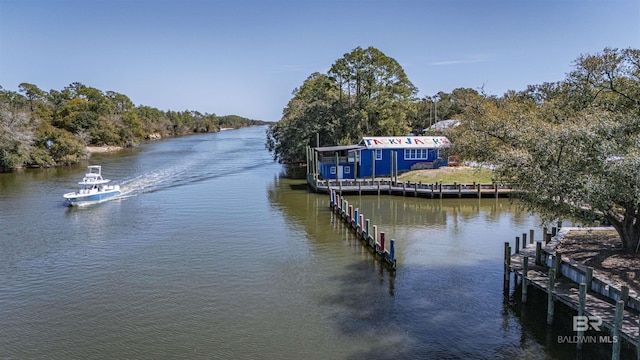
(405, 142)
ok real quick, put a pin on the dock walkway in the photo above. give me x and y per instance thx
(385, 186)
(535, 265)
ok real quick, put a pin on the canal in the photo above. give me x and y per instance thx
(212, 254)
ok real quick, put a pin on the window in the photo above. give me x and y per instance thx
(378, 154)
(332, 170)
(347, 169)
(416, 154)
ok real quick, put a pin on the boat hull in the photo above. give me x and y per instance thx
(77, 199)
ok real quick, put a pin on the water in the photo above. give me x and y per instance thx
(211, 254)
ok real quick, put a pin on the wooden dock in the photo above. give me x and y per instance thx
(591, 294)
(388, 187)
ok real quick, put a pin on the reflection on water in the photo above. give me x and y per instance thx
(212, 254)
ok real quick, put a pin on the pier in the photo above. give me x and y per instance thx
(598, 301)
(389, 187)
(363, 229)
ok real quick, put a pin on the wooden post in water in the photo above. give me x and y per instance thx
(525, 271)
(366, 226)
(531, 236)
(548, 238)
(552, 275)
(517, 245)
(375, 235)
(382, 242)
(524, 240)
(544, 234)
(507, 256)
(583, 300)
(350, 213)
(392, 250)
(538, 252)
(356, 218)
(415, 189)
(617, 326)
(479, 192)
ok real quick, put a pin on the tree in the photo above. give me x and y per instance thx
(364, 93)
(571, 148)
(309, 115)
(377, 88)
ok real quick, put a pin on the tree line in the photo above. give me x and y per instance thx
(42, 129)
(571, 147)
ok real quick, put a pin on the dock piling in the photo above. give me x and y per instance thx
(617, 325)
(357, 223)
(552, 275)
(531, 236)
(582, 303)
(525, 271)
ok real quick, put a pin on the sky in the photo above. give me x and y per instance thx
(246, 57)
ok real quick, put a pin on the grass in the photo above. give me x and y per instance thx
(449, 175)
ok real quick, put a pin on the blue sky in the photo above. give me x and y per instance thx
(245, 57)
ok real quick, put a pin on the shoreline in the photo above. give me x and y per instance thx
(102, 149)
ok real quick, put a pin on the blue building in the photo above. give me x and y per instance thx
(327, 157)
(381, 156)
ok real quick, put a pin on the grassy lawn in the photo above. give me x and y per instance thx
(449, 175)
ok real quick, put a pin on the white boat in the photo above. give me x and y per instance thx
(93, 188)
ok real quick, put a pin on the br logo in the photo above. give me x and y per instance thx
(585, 323)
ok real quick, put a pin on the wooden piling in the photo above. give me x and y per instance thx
(362, 228)
(538, 252)
(392, 250)
(531, 236)
(525, 271)
(356, 218)
(375, 234)
(367, 222)
(624, 294)
(552, 275)
(557, 264)
(517, 245)
(588, 275)
(524, 240)
(507, 256)
(582, 303)
(617, 326)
